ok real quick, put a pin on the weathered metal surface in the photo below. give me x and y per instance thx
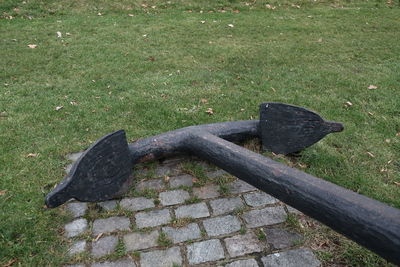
(366, 221)
(286, 129)
(100, 173)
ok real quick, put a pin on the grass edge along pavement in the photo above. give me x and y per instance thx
(325, 57)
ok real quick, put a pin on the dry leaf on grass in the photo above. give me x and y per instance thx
(397, 183)
(398, 134)
(231, 25)
(210, 111)
(348, 104)
(58, 107)
(3, 192)
(371, 87)
(370, 154)
(32, 155)
(32, 45)
(10, 262)
(204, 101)
(59, 34)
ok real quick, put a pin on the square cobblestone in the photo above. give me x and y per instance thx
(265, 216)
(173, 197)
(225, 205)
(181, 234)
(166, 170)
(108, 205)
(118, 263)
(104, 246)
(161, 258)
(206, 192)
(240, 245)
(258, 199)
(292, 258)
(77, 209)
(243, 263)
(137, 203)
(293, 210)
(138, 241)
(280, 238)
(156, 184)
(198, 210)
(240, 186)
(205, 251)
(221, 225)
(152, 218)
(111, 224)
(76, 227)
(182, 180)
(77, 247)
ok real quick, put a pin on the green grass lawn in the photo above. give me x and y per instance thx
(147, 67)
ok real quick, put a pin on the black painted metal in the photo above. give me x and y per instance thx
(286, 129)
(366, 221)
(100, 173)
(375, 225)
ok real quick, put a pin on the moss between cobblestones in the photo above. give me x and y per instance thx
(181, 222)
(163, 240)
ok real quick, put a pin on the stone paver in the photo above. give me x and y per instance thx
(198, 210)
(240, 186)
(243, 263)
(137, 203)
(108, 205)
(104, 246)
(110, 225)
(181, 180)
(293, 210)
(77, 209)
(280, 238)
(216, 174)
(292, 258)
(243, 244)
(206, 192)
(164, 170)
(77, 247)
(225, 205)
(161, 258)
(258, 199)
(137, 241)
(266, 216)
(118, 263)
(221, 225)
(76, 227)
(156, 184)
(181, 234)
(205, 251)
(152, 218)
(173, 197)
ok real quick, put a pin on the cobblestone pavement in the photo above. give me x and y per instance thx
(185, 213)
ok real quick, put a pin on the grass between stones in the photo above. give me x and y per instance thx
(162, 69)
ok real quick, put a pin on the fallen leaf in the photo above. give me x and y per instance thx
(99, 14)
(73, 103)
(231, 25)
(166, 178)
(348, 104)
(203, 21)
(59, 34)
(371, 87)
(3, 192)
(371, 155)
(236, 11)
(210, 111)
(270, 7)
(131, 15)
(319, 40)
(296, 6)
(58, 107)
(242, 109)
(370, 113)
(67, 34)
(398, 134)
(204, 101)
(397, 183)
(32, 155)
(32, 45)
(151, 58)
